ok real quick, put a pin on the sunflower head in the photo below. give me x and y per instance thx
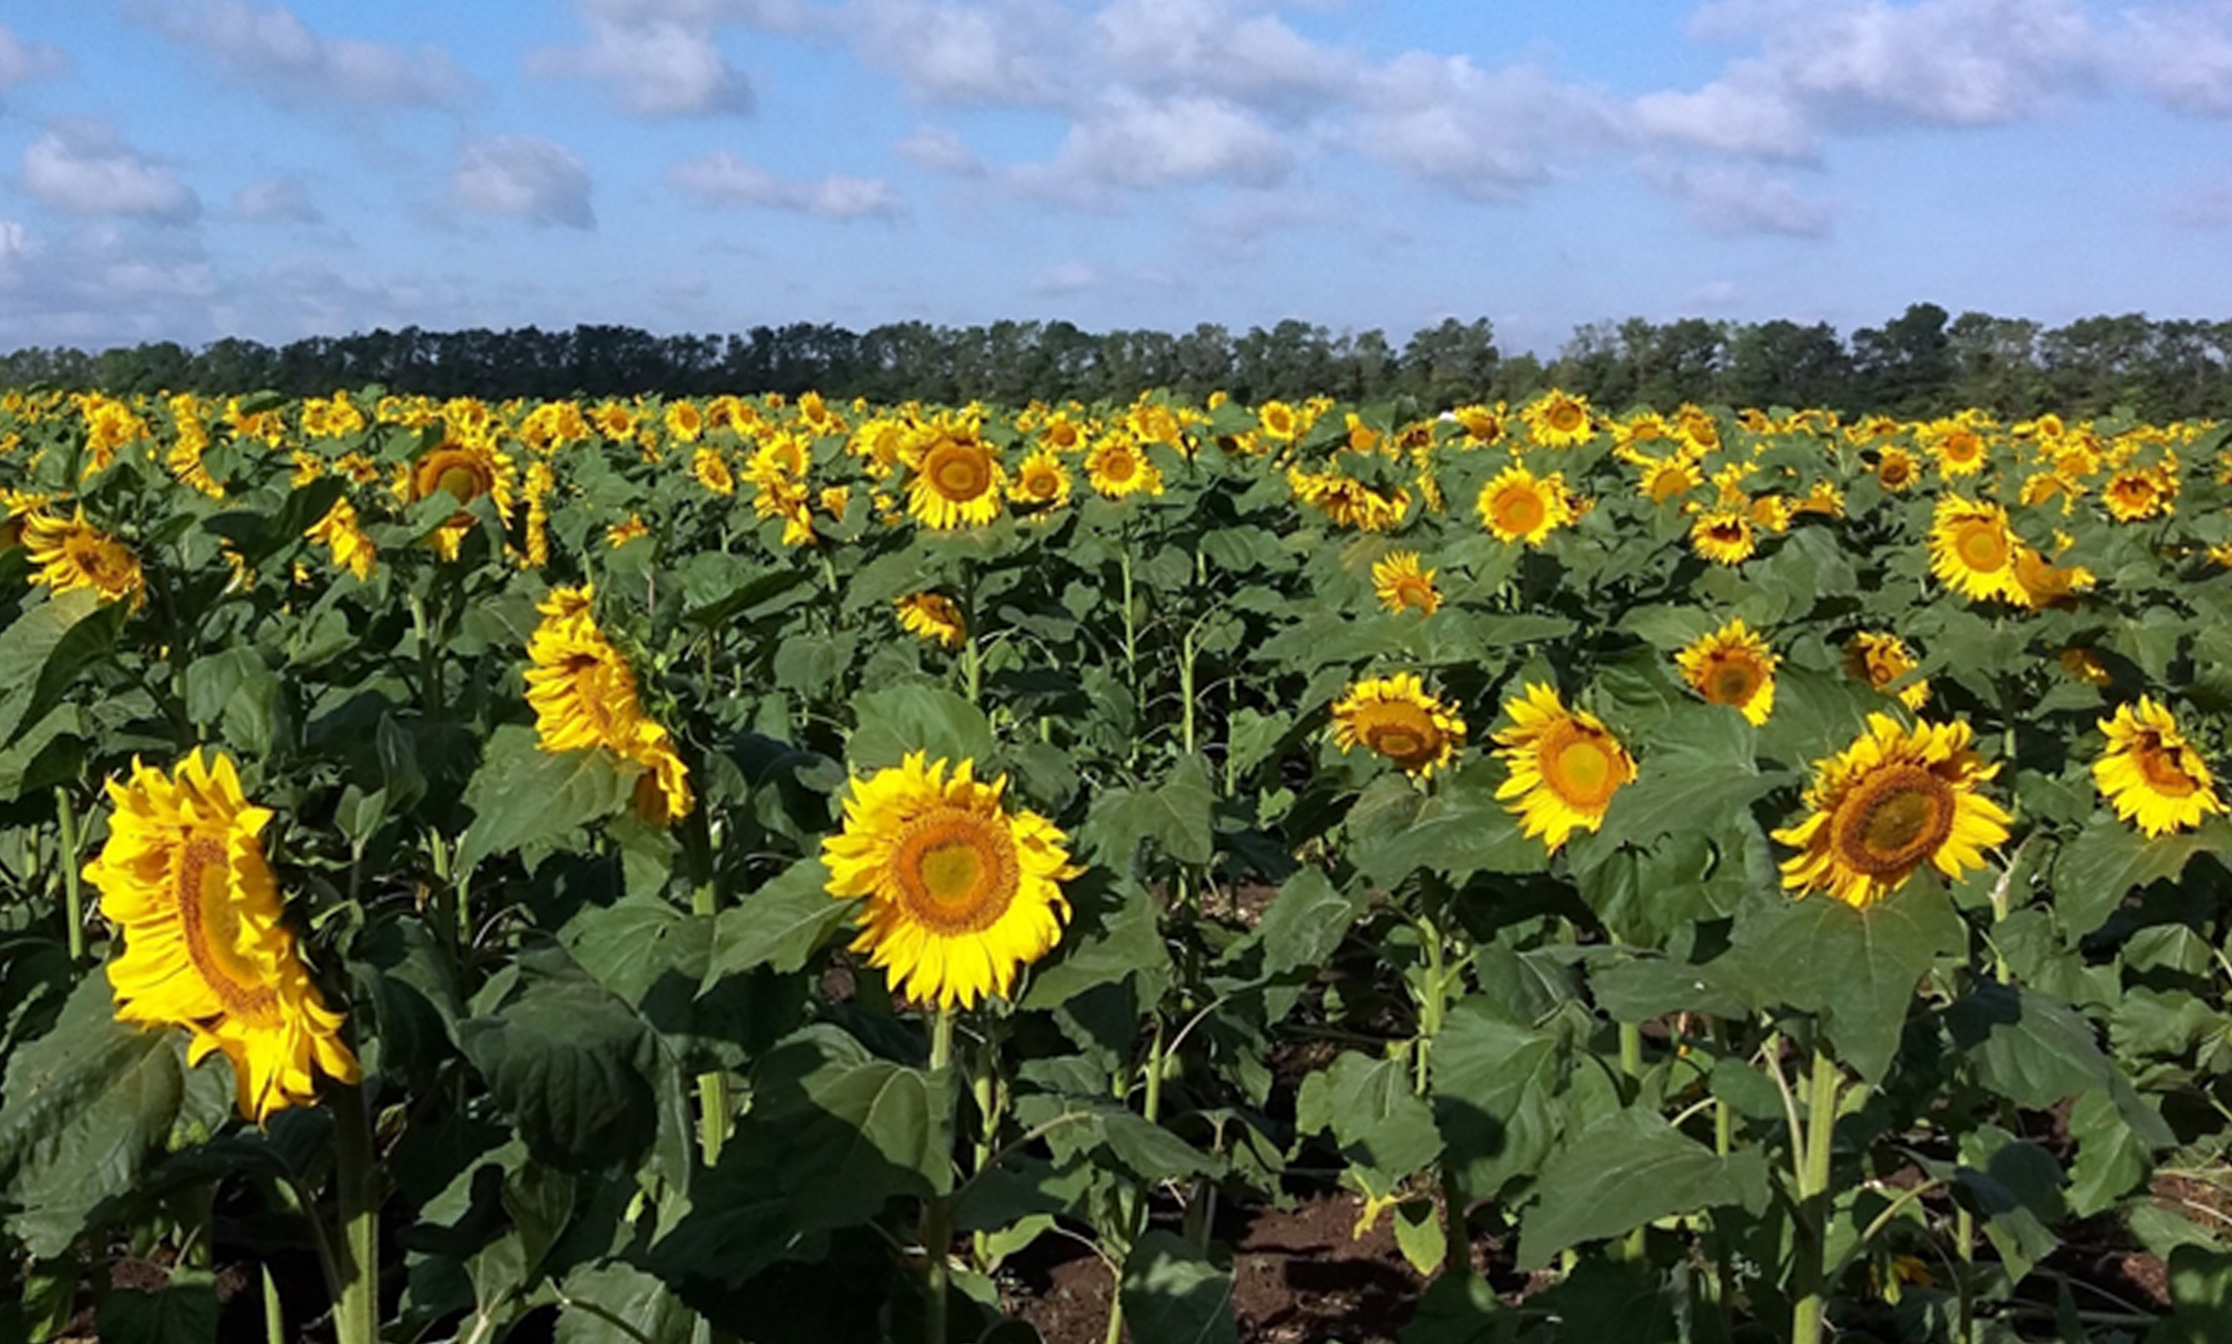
(1396, 718)
(1895, 799)
(957, 480)
(1402, 585)
(1732, 666)
(2150, 774)
(1559, 419)
(1881, 659)
(1897, 470)
(934, 617)
(72, 553)
(958, 893)
(1118, 466)
(206, 947)
(1724, 536)
(1972, 550)
(1564, 765)
(1041, 480)
(1518, 506)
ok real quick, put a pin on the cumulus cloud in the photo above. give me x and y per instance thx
(1739, 198)
(1073, 277)
(656, 67)
(15, 241)
(941, 150)
(1131, 140)
(1217, 44)
(81, 166)
(22, 62)
(272, 52)
(277, 200)
(1482, 133)
(538, 180)
(2181, 54)
(723, 179)
(1015, 52)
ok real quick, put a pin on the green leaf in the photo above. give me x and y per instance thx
(2101, 864)
(1857, 968)
(1493, 1085)
(1460, 831)
(522, 794)
(1176, 814)
(570, 1062)
(42, 654)
(182, 1311)
(2016, 1186)
(2200, 1298)
(1126, 945)
(85, 1108)
(783, 924)
(1698, 776)
(1306, 923)
(1375, 1114)
(1624, 1171)
(2027, 1047)
(916, 717)
(595, 1297)
(1173, 1295)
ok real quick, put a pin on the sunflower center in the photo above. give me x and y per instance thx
(1894, 819)
(201, 889)
(1041, 484)
(1732, 681)
(1962, 447)
(958, 471)
(1404, 733)
(955, 871)
(1895, 472)
(1119, 467)
(1519, 508)
(1579, 765)
(1981, 546)
(2164, 768)
(1565, 417)
(1414, 593)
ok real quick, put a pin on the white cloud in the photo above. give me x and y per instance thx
(1003, 52)
(1736, 114)
(22, 62)
(15, 241)
(82, 167)
(1738, 198)
(657, 67)
(725, 180)
(2181, 54)
(1073, 277)
(1215, 45)
(1134, 141)
(277, 200)
(1482, 133)
(538, 180)
(941, 150)
(274, 53)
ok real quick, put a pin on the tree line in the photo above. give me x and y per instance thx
(1925, 362)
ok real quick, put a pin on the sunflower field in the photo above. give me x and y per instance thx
(671, 871)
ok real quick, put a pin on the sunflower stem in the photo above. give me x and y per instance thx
(1814, 1198)
(712, 1085)
(275, 1319)
(73, 894)
(356, 1260)
(937, 1211)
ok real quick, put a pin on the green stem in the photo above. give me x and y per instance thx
(937, 1211)
(1813, 1198)
(73, 894)
(356, 1296)
(275, 1319)
(991, 1106)
(1631, 1051)
(1135, 1220)
(712, 1085)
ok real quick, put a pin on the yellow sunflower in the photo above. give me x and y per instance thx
(1397, 718)
(1732, 666)
(1565, 766)
(1897, 470)
(1879, 660)
(1558, 419)
(711, 468)
(1972, 550)
(1278, 420)
(1724, 536)
(340, 532)
(1669, 479)
(2137, 494)
(72, 553)
(1403, 586)
(1519, 506)
(206, 946)
(1895, 799)
(957, 480)
(959, 892)
(1118, 466)
(2040, 583)
(584, 696)
(1041, 479)
(933, 616)
(2150, 774)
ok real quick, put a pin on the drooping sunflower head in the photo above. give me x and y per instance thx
(1895, 799)
(1732, 666)
(1565, 766)
(464, 471)
(73, 553)
(2085, 665)
(1402, 585)
(1972, 550)
(2150, 774)
(711, 468)
(934, 617)
(958, 478)
(1518, 506)
(1880, 660)
(2040, 583)
(1724, 536)
(1397, 718)
(1482, 426)
(959, 894)
(206, 948)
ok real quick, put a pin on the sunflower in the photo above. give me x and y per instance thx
(933, 616)
(73, 553)
(1558, 419)
(1041, 480)
(1395, 717)
(1732, 666)
(1879, 660)
(2040, 583)
(1897, 470)
(1724, 536)
(957, 480)
(2137, 494)
(1895, 799)
(205, 944)
(2150, 774)
(584, 696)
(1565, 766)
(711, 468)
(2083, 664)
(1958, 448)
(1519, 506)
(1403, 586)
(1278, 420)
(959, 892)
(1349, 502)
(340, 532)
(1117, 467)
(1972, 550)
(1482, 426)
(1669, 479)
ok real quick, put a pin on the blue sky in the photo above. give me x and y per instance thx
(189, 169)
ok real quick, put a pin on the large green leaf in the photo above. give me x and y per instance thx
(1306, 923)
(1173, 1295)
(1375, 1113)
(522, 794)
(86, 1108)
(781, 925)
(182, 1311)
(1624, 1171)
(1493, 1088)
(898, 720)
(1460, 831)
(2102, 863)
(1176, 814)
(42, 654)
(570, 1062)
(2027, 1047)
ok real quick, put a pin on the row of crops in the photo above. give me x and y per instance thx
(737, 869)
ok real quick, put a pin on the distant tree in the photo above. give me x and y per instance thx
(1905, 367)
(1781, 363)
(1452, 363)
